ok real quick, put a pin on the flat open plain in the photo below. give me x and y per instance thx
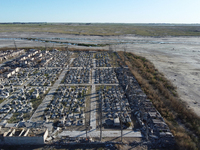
(176, 57)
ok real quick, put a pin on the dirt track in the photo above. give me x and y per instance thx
(177, 57)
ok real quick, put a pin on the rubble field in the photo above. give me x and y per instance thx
(76, 96)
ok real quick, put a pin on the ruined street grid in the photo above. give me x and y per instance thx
(76, 94)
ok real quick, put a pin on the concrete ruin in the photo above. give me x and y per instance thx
(60, 84)
(23, 136)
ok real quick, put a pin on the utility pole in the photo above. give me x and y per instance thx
(114, 52)
(121, 118)
(86, 126)
(86, 122)
(100, 116)
(147, 131)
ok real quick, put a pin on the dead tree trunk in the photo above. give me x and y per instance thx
(15, 45)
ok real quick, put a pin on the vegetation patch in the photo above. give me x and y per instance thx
(106, 29)
(183, 122)
(1, 100)
(14, 118)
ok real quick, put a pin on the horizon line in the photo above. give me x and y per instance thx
(32, 22)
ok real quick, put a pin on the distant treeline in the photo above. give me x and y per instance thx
(24, 23)
(134, 24)
(105, 29)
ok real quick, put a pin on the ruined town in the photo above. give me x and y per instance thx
(54, 96)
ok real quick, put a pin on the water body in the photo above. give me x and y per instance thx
(45, 40)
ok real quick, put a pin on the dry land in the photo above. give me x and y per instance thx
(176, 57)
(174, 53)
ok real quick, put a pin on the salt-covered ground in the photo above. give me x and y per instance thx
(178, 58)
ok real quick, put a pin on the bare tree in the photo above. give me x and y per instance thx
(53, 46)
(110, 49)
(115, 47)
(45, 45)
(15, 45)
(125, 48)
(67, 49)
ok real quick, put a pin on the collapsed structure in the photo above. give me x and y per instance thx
(152, 124)
(30, 76)
(22, 136)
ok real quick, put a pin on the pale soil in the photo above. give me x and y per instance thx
(178, 58)
(181, 65)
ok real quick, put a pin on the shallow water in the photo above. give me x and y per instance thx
(80, 41)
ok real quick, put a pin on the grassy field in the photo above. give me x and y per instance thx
(183, 122)
(106, 29)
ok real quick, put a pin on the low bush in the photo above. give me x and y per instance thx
(183, 122)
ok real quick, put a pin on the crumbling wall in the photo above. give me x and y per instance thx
(152, 124)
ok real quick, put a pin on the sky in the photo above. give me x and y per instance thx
(101, 11)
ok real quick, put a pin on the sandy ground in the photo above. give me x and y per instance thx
(178, 58)
(180, 63)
